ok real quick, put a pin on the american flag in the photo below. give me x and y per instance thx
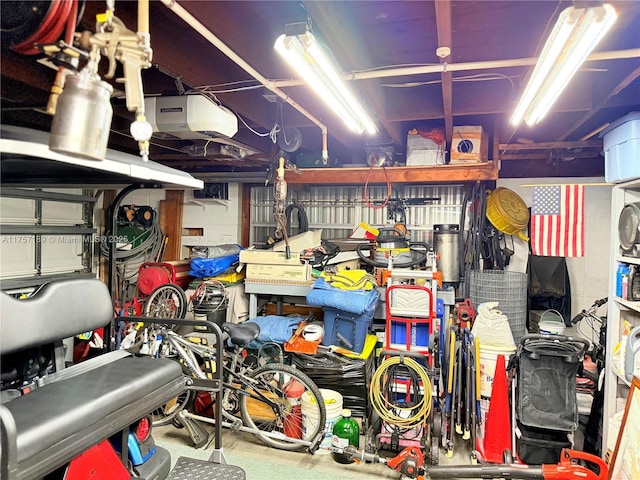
(557, 221)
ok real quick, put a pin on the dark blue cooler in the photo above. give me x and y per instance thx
(346, 330)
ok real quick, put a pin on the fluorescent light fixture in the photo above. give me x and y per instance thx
(573, 38)
(305, 55)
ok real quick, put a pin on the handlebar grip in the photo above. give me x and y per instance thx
(577, 318)
(601, 302)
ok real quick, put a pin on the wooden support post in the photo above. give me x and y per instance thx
(171, 209)
(108, 196)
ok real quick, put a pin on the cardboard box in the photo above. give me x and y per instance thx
(301, 241)
(268, 257)
(423, 151)
(290, 273)
(469, 145)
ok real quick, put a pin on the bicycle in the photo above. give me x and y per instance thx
(266, 400)
(589, 381)
(596, 334)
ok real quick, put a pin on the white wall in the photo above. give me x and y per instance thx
(220, 220)
(589, 274)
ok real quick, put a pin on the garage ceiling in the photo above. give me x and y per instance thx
(493, 47)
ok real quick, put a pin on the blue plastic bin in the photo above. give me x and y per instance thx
(346, 330)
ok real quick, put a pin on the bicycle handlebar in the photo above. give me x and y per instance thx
(601, 302)
(592, 310)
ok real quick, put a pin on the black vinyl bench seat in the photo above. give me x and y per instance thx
(84, 404)
(61, 418)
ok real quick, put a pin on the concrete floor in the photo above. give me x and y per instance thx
(261, 462)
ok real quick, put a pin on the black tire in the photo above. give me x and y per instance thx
(165, 414)
(166, 301)
(285, 417)
(435, 450)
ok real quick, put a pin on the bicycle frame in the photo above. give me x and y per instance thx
(597, 348)
(234, 381)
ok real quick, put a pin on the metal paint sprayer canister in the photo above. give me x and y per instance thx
(82, 121)
(445, 243)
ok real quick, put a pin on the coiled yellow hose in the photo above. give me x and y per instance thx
(404, 417)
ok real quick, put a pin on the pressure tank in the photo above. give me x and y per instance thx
(446, 239)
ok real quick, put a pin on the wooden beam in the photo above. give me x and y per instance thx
(430, 174)
(212, 161)
(245, 215)
(547, 155)
(550, 145)
(171, 209)
(602, 103)
(108, 196)
(443, 26)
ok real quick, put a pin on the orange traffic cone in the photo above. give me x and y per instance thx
(497, 436)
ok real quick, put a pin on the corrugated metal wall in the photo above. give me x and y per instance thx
(337, 210)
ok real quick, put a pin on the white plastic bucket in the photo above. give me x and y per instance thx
(551, 323)
(488, 359)
(333, 406)
(551, 328)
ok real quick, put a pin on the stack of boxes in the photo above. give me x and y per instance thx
(267, 265)
(469, 145)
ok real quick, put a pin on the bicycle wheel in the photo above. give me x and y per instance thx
(166, 301)
(274, 407)
(164, 415)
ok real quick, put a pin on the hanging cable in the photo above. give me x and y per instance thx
(471, 244)
(303, 221)
(384, 383)
(130, 256)
(366, 189)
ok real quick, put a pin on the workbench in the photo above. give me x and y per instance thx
(283, 293)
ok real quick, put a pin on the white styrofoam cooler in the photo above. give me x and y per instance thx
(621, 145)
(423, 151)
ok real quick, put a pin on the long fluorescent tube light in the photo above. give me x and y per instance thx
(573, 38)
(306, 56)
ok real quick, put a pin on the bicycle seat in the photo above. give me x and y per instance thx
(241, 333)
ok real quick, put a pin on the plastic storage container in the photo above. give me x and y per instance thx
(621, 271)
(632, 354)
(346, 330)
(621, 145)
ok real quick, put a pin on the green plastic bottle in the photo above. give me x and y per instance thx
(346, 431)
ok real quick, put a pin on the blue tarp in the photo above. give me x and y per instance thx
(353, 301)
(274, 328)
(210, 267)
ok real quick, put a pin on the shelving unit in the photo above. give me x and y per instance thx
(404, 174)
(619, 310)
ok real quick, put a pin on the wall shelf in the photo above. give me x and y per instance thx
(402, 174)
(635, 306)
(619, 311)
(620, 377)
